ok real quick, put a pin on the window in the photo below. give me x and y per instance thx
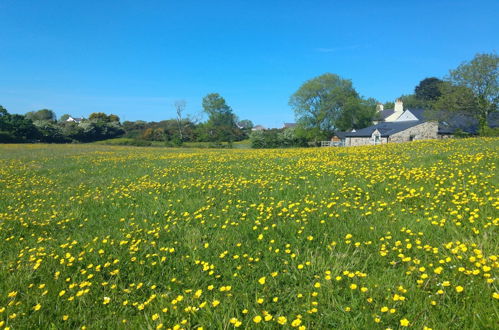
(412, 137)
(377, 138)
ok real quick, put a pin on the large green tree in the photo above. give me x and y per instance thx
(481, 77)
(221, 125)
(357, 113)
(319, 102)
(412, 102)
(428, 89)
(43, 115)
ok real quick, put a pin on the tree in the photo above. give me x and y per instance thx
(213, 104)
(454, 99)
(113, 118)
(411, 101)
(50, 132)
(245, 124)
(389, 105)
(99, 117)
(319, 102)
(221, 125)
(154, 134)
(481, 76)
(44, 115)
(22, 128)
(64, 117)
(356, 114)
(179, 109)
(428, 89)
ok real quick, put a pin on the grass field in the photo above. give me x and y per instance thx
(392, 236)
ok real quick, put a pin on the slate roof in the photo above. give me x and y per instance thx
(418, 113)
(449, 122)
(341, 135)
(494, 119)
(385, 128)
(289, 125)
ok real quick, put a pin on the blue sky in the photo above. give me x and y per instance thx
(135, 58)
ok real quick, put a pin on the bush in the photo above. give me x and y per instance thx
(125, 142)
(276, 138)
(491, 132)
(6, 137)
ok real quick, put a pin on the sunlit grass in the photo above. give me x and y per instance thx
(370, 237)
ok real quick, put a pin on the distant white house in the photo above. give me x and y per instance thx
(74, 120)
(389, 115)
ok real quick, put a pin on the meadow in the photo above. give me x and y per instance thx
(390, 236)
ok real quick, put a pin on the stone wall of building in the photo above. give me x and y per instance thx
(424, 131)
(362, 141)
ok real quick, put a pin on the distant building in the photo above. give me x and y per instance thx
(390, 132)
(74, 120)
(413, 124)
(258, 128)
(289, 125)
(388, 115)
(449, 122)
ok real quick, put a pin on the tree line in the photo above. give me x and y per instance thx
(322, 106)
(43, 126)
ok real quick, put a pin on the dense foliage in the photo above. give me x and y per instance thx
(328, 103)
(41, 126)
(472, 89)
(277, 138)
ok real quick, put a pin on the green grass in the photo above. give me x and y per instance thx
(337, 233)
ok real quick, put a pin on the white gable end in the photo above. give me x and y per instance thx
(406, 116)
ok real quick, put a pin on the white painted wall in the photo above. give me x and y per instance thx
(406, 116)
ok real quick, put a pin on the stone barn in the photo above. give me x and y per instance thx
(392, 132)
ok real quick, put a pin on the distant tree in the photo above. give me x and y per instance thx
(245, 124)
(389, 105)
(113, 118)
(277, 138)
(245, 127)
(50, 132)
(154, 134)
(357, 113)
(481, 76)
(214, 104)
(412, 102)
(428, 89)
(3, 112)
(71, 131)
(288, 137)
(44, 114)
(64, 117)
(319, 102)
(221, 125)
(179, 110)
(22, 128)
(454, 99)
(265, 138)
(101, 126)
(99, 117)
(5, 128)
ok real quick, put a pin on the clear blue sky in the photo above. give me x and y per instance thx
(134, 58)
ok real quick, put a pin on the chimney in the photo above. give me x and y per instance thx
(379, 107)
(399, 106)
